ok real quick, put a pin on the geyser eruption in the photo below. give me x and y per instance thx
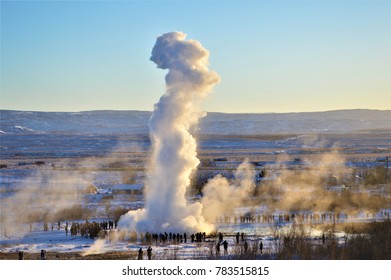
(174, 155)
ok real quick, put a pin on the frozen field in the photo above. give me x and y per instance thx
(33, 164)
(56, 241)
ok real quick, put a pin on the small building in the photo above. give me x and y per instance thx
(79, 186)
(91, 188)
(130, 189)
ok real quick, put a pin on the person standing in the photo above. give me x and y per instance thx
(43, 255)
(225, 244)
(149, 253)
(140, 254)
(245, 246)
(221, 237)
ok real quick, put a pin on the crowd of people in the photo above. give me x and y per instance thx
(86, 229)
(196, 237)
(90, 229)
(290, 217)
(165, 237)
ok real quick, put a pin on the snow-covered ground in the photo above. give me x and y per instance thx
(57, 241)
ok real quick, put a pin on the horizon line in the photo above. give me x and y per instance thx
(217, 112)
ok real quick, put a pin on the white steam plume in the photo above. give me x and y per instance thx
(221, 196)
(174, 155)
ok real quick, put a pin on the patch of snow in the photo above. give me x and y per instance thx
(23, 128)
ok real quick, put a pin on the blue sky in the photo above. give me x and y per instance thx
(272, 56)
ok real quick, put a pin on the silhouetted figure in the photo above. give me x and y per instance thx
(192, 238)
(245, 246)
(21, 255)
(237, 238)
(261, 247)
(43, 255)
(140, 254)
(218, 249)
(204, 236)
(58, 225)
(220, 237)
(185, 237)
(225, 244)
(323, 239)
(149, 253)
(242, 236)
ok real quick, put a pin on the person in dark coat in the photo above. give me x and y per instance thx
(43, 255)
(261, 247)
(237, 238)
(21, 255)
(149, 253)
(245, 246)
(225, 244)
(140, 254)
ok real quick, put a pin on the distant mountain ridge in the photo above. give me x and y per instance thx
(136, 122)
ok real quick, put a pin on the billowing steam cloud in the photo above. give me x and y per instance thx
(48, 195)
(174, 155)
(221, 196)
(307, 189)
